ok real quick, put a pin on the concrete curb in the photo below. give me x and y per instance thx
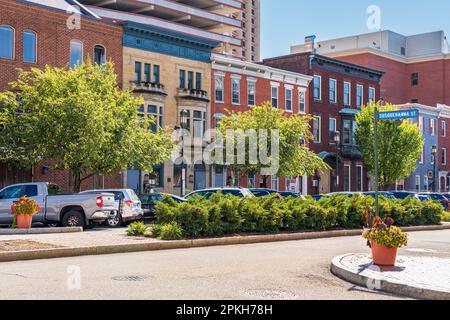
(185, 244)
(40, 231)
(344, 273)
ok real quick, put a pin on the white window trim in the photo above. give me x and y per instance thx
(302, 91)
(222, 77)
(418, 179)
(253, 82)
(426, 184)
(433, 127)
(82, 48)
(349, 93)
(320, 130)
(349, 176)
(335, 91)
(374, 93)
(277, 97)
(233, 79)
(443, 129)
(362, 95)
(444, 151)
(320, 88)
(35, 46)
(421, 124)
(422, 156)
(360, 169)
(13, 41)
(286, 89)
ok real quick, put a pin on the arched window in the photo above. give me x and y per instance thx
(6, 42)
(99, 54)
(76, 53)
(29, 46)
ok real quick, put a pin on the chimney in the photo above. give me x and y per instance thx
(310, 42)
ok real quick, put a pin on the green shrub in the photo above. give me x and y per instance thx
(432, 212)
(193, 219)
(446, 216)
(138, 229)
(170, 231)
(358, 209)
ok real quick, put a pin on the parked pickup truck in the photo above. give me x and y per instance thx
(72, 210)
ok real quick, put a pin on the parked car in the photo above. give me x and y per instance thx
(263, 192)
(317, 197)
(287, 194)
(149, 202)
(73, 210)
(348, 194)
(387, 195)
(131, 209)
(438, 197)
(207, 193)
(401, 195)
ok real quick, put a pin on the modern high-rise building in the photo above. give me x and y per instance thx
(232, 23)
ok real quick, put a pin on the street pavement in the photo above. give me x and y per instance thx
(282, 270)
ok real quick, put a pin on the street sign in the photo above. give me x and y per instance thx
(401, 114)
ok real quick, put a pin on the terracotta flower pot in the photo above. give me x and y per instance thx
(24, 221)
(383, 256)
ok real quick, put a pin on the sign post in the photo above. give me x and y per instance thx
(384, 116)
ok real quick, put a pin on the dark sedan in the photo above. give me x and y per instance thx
(438, 197)
(149, 202)
(263, 192)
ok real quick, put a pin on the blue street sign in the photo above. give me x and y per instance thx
(401, 114)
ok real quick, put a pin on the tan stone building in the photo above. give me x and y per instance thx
(172, 72)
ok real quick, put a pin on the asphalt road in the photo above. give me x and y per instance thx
(283, 270)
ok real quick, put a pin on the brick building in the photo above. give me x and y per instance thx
(417, 69)
(239, 85)
(37, 33)
(338, 91)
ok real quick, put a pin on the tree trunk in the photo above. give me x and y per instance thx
(76, 175)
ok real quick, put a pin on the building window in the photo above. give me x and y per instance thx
(417, 183)
(288, 104)
(421, 124)
(347, 132)
(433, 127)
(182, 79)
(7, 36)
(317, 129)
(99, 55)
(156, 74)
(138, 72)
(301, 102)
(147, 72)
(332, 128)
(219, 89)
(198, 81)
(190, 80)
(274, 93)
(318, 87)
(76, 53)
(415, 79)
(347, 184)
(156, 113)
(359, 179)
(235, 91)
(333, 96)
(359, 95)
(426, 184)
(199, 124)
(444, 156)
(251, 93)
(372, 94)
(29, 46)
(347, 93)
(443, 129)
(275, 183)
(251, 181)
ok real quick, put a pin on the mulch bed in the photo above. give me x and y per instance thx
(24, 245)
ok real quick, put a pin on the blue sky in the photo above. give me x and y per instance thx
(287, 22)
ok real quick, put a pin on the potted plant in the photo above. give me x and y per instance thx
(384, 239)
(23, 211)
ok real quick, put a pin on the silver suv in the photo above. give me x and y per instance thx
(207, 193)
(131, 206)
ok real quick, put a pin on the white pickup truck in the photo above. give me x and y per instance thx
(72, 210)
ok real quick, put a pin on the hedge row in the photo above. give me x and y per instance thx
(223, 215)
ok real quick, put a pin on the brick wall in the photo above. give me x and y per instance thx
(53, 48)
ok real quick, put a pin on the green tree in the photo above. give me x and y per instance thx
(399, 144)
(80, 119)
(294, 158)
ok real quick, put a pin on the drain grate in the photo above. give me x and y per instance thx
(132, 278)
(272, 294)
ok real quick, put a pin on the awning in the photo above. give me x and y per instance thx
(349, 112)
(324, 155)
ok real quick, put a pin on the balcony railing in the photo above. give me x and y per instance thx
(149, 87)
(193, 94)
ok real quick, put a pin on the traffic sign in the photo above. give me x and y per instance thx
(401, 114)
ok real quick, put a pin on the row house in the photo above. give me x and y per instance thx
(37, 33)
(237, 86)
(338, 91)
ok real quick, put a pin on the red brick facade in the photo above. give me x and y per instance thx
(264, 81)
(322, 107)
(53, 48)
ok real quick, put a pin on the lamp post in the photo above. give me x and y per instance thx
(337, 140)
(434, 152)
(183, 123)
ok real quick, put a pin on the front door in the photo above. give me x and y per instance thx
(134, 180)
(218, 177)
(325, 181)
(199, 177)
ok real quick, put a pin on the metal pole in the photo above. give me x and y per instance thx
(377, 185)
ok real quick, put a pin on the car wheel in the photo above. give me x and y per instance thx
(52, 225)
(115, 222)
(73, 219)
